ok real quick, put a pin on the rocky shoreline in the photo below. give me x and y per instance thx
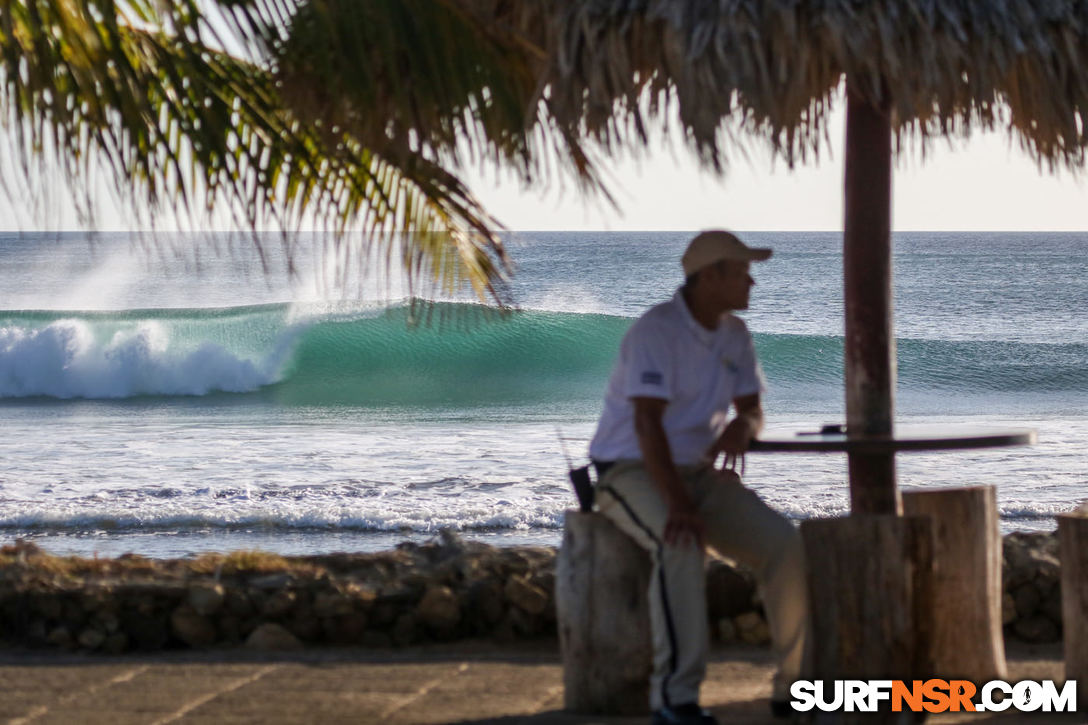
(444, 590)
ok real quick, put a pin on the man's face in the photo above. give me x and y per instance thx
(731, 282)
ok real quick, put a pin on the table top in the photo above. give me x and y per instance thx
(908, 437)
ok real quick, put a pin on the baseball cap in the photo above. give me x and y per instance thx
(716, 245)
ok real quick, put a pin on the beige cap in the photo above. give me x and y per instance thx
(716, 245)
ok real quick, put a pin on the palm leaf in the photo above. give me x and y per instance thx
(140, 89)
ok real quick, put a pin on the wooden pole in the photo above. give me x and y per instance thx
(967, 642)
(867, 281)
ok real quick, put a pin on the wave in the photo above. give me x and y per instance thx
(441, 354)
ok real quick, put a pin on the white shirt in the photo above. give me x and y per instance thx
(667, 354)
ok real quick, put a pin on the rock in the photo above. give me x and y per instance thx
(747, 621)
(272, 637)
(91, 638)
(333, 604)
(35, 631)
(377, 640)
(485, 604)
(73, 613)
(1051, 608)
(305, 626)
(1027, 555)
(345, 629)
(272, 581)
(526, 596)
(405, 630)
(60, 637)
(362, 596)
(399, 596)
(230, 628)
(522, 623)
(47, 605)
(1008, 609)
(1036, 630)
(752, 628)
(1047, 579)
(99, 599)
(439, 609)
(384, 614)
(279, 603)
(727, 631)
(144, 604)
(108, 621)
(728, 591)
(192, 628)
(206, 598)
(545, 580)
(504, 631)
(146, 631)
(115, 643)
(1027, 600)
(237, 603)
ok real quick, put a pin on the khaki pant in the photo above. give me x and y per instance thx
(738, 526)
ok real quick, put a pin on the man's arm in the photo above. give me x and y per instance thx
(748, 423)
(683, 521)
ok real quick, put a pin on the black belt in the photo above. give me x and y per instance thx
(602, 468)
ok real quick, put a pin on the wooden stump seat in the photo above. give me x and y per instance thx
(870, 580)
(1073, 552)
(601, 581)
(967, 640)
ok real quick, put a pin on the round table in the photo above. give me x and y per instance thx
(906, 437)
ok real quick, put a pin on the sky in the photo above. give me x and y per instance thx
(984, 184)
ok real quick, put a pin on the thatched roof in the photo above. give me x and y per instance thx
(772, 67)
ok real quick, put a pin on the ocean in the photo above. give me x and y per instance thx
(166, 396)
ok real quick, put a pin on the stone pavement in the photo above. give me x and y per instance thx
(461, 683)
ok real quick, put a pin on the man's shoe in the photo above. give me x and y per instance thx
(689, 714)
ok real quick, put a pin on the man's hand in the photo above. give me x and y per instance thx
(738, 435)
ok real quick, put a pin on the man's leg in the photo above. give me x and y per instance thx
(677, 593)
(739, 525)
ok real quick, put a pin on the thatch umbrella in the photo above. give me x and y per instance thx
(772, 69)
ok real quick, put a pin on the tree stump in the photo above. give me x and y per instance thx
(601, 581)
(1073, 552)
(870, 581)
(967, 638)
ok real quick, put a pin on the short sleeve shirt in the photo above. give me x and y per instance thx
(667, 354)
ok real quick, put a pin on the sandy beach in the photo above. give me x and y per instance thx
(469, 682)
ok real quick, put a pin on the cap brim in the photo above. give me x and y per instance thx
(759, 255)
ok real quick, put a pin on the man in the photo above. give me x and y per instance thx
(664, 425)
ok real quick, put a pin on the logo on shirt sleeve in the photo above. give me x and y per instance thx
(652, 378)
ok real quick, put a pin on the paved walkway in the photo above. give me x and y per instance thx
(475, 683)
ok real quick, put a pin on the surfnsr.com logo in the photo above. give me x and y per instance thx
(933, 696)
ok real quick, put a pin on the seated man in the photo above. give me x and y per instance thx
(681, 366)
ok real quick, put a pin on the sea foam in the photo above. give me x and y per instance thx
(67, 359)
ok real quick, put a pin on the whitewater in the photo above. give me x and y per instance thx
(172, 403)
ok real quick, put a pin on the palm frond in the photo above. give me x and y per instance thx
(178, 122)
